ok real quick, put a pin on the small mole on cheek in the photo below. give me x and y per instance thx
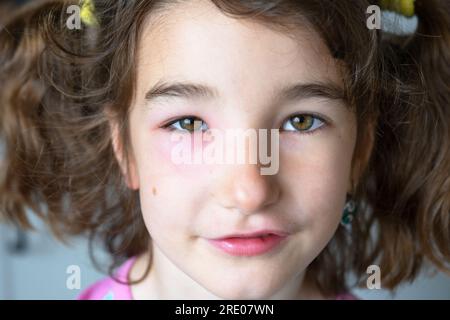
(154, 191)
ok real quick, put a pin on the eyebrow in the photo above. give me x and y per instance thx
(182, 90)
(299, 91)
(288, 94)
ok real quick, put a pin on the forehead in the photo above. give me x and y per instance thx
(194, 41)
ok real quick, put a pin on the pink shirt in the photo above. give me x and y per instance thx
(109, 289)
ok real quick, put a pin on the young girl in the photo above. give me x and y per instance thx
(88, 115)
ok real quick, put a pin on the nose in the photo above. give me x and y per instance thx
(245, 189)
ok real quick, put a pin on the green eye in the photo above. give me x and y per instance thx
(189, 124)
(303, 122)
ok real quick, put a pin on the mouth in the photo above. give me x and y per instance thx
(250, 244)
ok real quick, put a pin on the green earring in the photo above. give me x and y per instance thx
(349, 211)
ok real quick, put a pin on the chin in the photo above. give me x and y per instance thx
(244, 296)
(243, 293)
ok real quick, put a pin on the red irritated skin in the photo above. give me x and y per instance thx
(250, 244)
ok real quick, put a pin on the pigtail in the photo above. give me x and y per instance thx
(411, 163)
(21, 94)
(43, 107)
(58, 161)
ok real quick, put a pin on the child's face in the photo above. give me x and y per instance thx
(185, 204)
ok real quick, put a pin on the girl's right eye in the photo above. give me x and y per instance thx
(189, 124)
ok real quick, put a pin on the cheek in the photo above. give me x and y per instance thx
(317, 175)
(170, 193)
(178, 154)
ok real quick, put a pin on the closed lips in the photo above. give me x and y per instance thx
(248, 245)
(256, 234)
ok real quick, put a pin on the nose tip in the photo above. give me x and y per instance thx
(248, 191)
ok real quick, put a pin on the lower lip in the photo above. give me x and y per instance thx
(248, 246)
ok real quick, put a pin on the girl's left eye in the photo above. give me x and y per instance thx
(305, 123)
(189, 124)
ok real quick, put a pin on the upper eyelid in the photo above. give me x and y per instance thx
(171, 122)
(315, 115)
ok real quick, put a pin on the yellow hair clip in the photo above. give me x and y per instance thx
(403, 7)
(88, 13)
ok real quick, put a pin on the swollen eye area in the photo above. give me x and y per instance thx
(189, 124)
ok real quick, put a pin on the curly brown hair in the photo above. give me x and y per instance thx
(60, 88)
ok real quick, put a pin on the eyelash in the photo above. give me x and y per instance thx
(169, 125)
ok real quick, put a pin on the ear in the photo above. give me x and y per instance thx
(361, 157)
(130, 173)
